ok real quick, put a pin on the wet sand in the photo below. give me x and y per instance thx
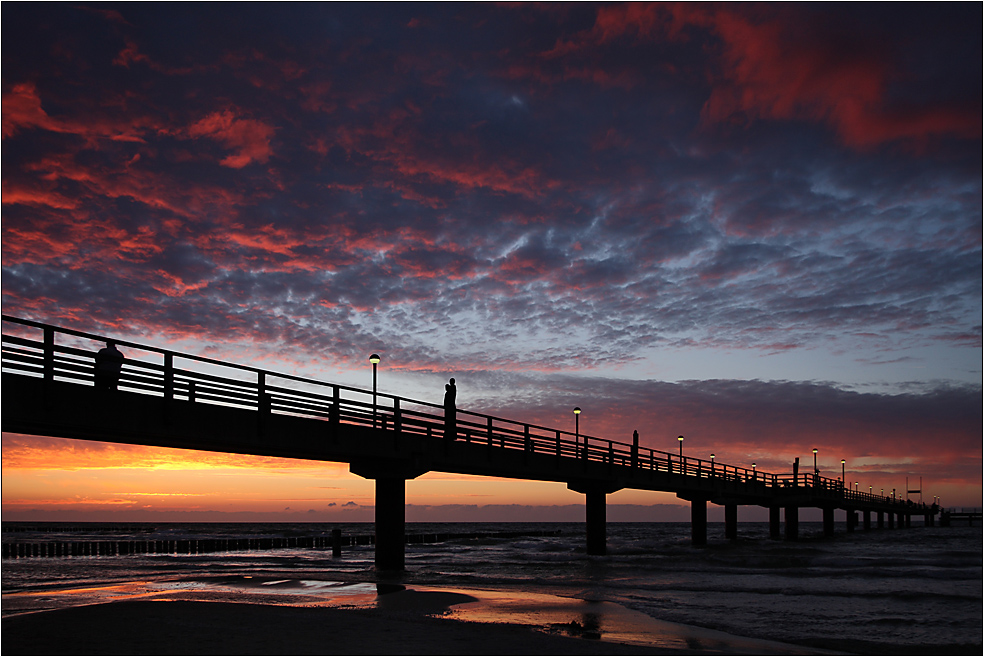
(357, 620)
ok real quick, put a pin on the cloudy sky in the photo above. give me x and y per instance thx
(757, 226)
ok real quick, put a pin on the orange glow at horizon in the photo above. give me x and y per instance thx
(54, 475)
(62, 474)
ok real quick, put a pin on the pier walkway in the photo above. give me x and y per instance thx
(170, 399)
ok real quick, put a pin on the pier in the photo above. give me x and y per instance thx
(171, 399)
(961, 516)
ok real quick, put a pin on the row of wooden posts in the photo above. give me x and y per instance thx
(335, 541)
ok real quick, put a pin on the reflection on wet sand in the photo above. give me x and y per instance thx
(592, 620)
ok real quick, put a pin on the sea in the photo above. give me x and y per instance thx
(885, 591)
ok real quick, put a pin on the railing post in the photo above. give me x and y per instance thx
(397, 416)
(558, 443)
(49, 353)
(49, 361)
(335, 411)
(528, 444)
(191, 391)
(262, 406)
(168, 376)
(611, 453)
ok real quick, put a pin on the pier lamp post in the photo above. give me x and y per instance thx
(843, 480)
(712, 464)
(577, 429)
(680, 440)
(869, 489)
(754, 474)
(816, 470)
(855, 486)
(374, 359)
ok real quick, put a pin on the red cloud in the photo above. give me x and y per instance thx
(790, 68)
(14, 193)
(777, 69)
(248, 137)
(22, 110)
(781, 65)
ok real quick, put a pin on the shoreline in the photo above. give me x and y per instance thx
(263, 615)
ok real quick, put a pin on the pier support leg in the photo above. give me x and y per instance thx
(595, 514)
(792, 523)
(698, 522)
(595, 522)
(891, 520)
(391, 496)
(390, 523)
(867, 520)
(731, 521)
(852, 520)
(881, 520)
(828, 521)
(908, 521)
(774, 531)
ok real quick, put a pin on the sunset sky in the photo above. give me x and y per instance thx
(758, 226)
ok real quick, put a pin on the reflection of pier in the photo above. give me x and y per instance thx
(168, 399)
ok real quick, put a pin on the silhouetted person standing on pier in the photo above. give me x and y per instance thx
(109, 362)
(450, 393)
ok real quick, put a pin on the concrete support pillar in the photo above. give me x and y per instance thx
(792, 523)
(828, 521)
(852, 520)
(774, 531)
(390, 523)
(698, 522)
(881, 520)
(391, 497)
(891, 520)
(731, 521)
(596, 522)
(908, 521)
(595, 514)
(867, 520)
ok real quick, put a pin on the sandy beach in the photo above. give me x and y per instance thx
(394, 621)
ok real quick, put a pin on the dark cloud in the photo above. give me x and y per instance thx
(505, 188)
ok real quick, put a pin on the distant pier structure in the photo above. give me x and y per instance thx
(163, 398)
(961, 516)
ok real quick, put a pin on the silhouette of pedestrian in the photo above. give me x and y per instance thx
(450, 392)
(109, 362)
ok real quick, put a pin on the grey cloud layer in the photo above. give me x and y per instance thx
(456, 189)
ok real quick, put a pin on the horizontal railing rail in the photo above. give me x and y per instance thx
(266, 391)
